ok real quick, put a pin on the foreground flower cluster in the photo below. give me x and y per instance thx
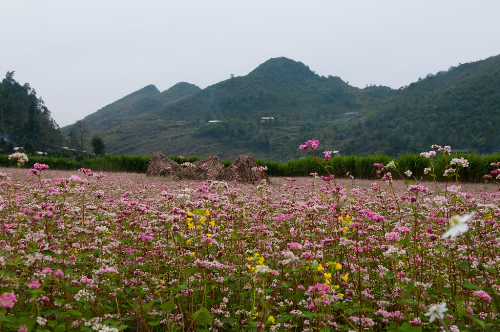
(89, 252)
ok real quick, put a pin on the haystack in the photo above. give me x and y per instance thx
(242, 170)
(205, 169)
(161, 165)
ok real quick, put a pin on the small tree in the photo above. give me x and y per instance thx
(97, 143)
(79, 135)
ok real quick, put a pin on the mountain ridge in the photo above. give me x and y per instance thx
(306, 105)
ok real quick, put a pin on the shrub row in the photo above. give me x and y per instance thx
(340, 166)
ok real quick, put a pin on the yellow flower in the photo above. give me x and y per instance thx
(328, 275)
(207, 213)
(249, 266)
(345, 277)
(271, 320)
(190, 214)
(192, 254)
(249, 259)
(419, 248)
(261, 261)
(199, 227)
(340, 294)
(327, 282)
(212, 223)
(162, 282)
(189, 220)
(202, 220)
(345, 230)
(321, 268)
(341, 218)
(188, 242)
(338, 266)
(347, 216)
(190, 225)
(336, 286)
(209, 235)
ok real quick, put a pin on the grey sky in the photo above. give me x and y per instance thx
(82, 56)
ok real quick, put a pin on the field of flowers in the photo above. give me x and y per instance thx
(84, 251)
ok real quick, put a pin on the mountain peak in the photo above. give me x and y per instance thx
(283, 67)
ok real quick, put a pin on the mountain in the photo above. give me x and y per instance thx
(458, 107)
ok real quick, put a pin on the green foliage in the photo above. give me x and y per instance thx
(361, 167)
(459, 107)
(97, 143)
(23, 116)
(228, 130)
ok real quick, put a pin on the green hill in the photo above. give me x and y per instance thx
(24, 118)
(459, 107)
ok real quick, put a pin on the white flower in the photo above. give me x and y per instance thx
(458, 225)
(21, 158)
(408, 173)
(391, 164)
(436, 311)
(262, 269)
(41, 321)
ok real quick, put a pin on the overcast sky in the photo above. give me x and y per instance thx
(82, 56)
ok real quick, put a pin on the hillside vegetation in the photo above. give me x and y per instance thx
(24, 118)
(458, 107)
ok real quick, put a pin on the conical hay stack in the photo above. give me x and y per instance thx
(241, 170)
(161, 165)
(205, 169)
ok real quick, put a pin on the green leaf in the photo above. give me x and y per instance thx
(157, 322)
(464, 264)
(49, 253)
(169, 305)
(202, 317)
(145, 307)
(170, 249)
(179, 238)
(7, 320)
(470, 285)
(74, 312)
(191, 270)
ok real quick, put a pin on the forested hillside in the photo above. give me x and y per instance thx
(24, 118)
(282, 103)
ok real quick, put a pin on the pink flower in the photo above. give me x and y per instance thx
(392, 237)
(313, 143)
(303, 147)
(483, 295)
(47, 270)
(58, 273)
(34, 284)
(40, 167)
(23, 328)
(7, 300)
(328, 155)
